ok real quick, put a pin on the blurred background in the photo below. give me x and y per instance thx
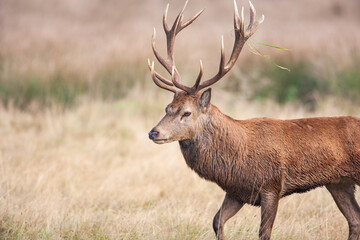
(77, 101)
(53, 52)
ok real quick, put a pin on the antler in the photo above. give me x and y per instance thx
(241, 36)
(169, 63)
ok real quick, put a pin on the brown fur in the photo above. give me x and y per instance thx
(258, 161)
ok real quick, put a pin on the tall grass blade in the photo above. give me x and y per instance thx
(256, 51)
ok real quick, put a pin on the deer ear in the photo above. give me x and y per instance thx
(205, 98)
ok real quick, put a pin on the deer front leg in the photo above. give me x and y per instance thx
(228, 209)
(269, 204)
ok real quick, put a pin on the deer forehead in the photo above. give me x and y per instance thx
(180, 104)
(183, 101)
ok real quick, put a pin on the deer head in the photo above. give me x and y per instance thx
(189, 106)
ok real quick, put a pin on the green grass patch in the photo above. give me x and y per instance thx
(298, 85)
(304, 84)
(64, 88)
(348, 83)
(21, 91)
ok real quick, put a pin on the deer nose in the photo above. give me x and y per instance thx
(153, 134)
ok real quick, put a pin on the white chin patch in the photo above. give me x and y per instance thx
(161, 141)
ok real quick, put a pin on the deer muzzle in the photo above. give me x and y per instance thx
(153, 134)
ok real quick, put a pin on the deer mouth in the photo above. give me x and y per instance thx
(161, 141)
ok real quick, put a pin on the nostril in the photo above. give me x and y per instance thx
(153, 134)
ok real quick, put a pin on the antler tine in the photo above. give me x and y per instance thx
(179, 85)
(252, 29)
(159, 77)
(166, 28)
(242, 23)
(252, 15)
(159, 83)
(157, 55)
(240, 38)
(190, 90)
(222, 59)
(253, 24)
(236, 17)
(179, 19)
(184, 25)
(196, 85)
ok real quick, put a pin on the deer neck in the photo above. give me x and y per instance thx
(218, 144)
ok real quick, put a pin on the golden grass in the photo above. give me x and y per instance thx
(91, 173)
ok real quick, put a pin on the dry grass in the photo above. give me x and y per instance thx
(91, 173)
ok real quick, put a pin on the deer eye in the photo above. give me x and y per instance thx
(186, 114)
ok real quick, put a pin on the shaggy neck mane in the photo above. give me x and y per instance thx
(216, 149)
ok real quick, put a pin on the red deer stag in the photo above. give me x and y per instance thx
(256, 161)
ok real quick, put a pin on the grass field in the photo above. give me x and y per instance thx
(77, 102)
(91, 173)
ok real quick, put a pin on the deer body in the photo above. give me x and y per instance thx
(288, 156)
(256, 161)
